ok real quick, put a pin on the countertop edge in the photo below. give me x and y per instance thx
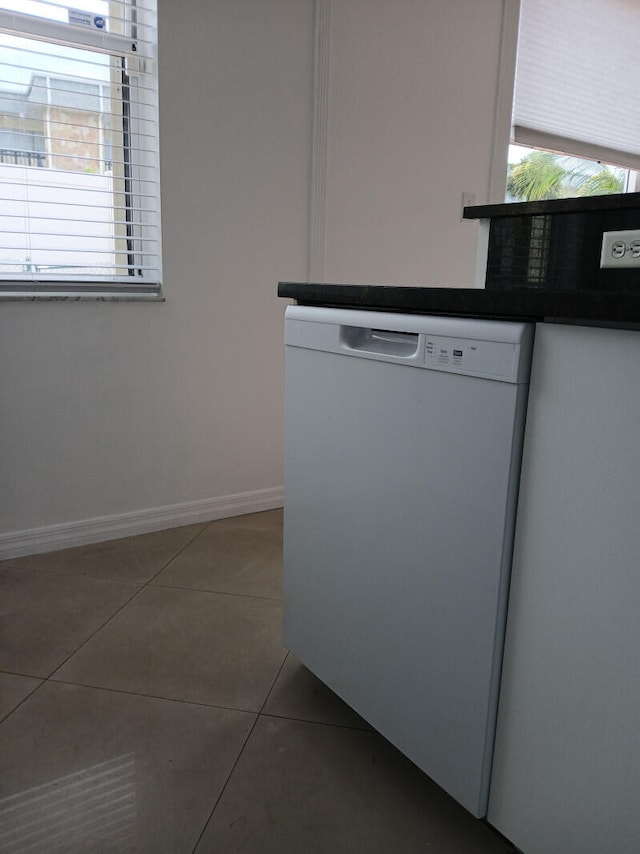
(548, 207)
(614, 309)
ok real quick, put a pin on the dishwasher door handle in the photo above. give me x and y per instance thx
(380, 342)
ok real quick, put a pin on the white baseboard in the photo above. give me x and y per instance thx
(63, 536)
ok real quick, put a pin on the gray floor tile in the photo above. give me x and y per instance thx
(13, 690)
(267, 520)
(230, 559)
(45, 617)
(135, 559)
(85, 770)
(313, 778)
(186, 645)
(298, 694)
(305, 788)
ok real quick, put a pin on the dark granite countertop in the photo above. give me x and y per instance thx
(585, 204)
(599, 308)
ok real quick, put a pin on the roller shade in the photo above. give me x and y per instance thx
(79, 166)
(578, 77)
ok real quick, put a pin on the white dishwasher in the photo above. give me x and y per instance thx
(402, 460)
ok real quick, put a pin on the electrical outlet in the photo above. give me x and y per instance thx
(620, 249)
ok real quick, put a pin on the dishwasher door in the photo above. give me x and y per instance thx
(402, 458)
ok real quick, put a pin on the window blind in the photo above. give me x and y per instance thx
(577, 78)
(79, 166)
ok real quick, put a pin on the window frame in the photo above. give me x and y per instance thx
(139, 157)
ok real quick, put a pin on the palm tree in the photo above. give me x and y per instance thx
(539, 175)
(545, 175)
(602, 183)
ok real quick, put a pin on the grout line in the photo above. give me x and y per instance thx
(241, 751)
(366, 728)
(223, 789)
(94, 633)
(24, 699)
(230, 525)
(231, 521)
(259, 713)
(218, 592)
(275, 679)
(177, 554)
(139, 589)
(151, 696)
(3, 670)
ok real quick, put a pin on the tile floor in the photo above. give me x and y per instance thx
(147, 705)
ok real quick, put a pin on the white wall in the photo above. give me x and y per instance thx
(410, 119)
(108, 408)
(115, 408)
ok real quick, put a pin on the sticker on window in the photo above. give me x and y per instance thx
(86, 19)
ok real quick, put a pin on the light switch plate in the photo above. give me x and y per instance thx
(621, 248)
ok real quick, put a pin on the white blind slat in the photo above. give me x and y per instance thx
(64, 163)
(34, 233)
(578, 72)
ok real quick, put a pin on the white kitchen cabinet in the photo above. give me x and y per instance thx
(566, 774)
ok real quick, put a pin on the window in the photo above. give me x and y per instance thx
(535, 173)
(576, 121)
(79, 181)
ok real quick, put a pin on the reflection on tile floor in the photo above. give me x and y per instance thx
(147, 705)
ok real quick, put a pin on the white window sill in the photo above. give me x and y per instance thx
(60, 296)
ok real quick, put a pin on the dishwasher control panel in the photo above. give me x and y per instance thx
(492, 359)
(486, 349)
